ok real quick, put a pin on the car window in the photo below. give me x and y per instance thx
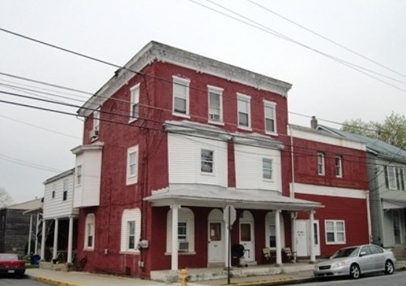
(365, 250)
(375, 249)
(8, 257)
(346, 252)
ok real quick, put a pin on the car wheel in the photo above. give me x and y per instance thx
(389, 269)
(355, 272)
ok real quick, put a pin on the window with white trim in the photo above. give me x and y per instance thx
(391, 177)
(270, 117)
(244, 110)
(132, 165)
(185, 229)
(339, 166)
(79, 175)
(65, 190)
(321, 167)
(135, 102)
(335, 231)
(403, 178)
(215, 104)
(89, 231)
(267, 169)
(130, 230)
(96, 119)
(207, 161)
(180, 96)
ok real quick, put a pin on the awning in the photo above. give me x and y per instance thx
(214, 196)
(393, 200)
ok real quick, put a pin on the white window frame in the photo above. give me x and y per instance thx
(185, 216)
(206, 161)
(90, 225)
(134, 102)
(336, 231)
(246, 100)
(338, 161)
(270, 114)
(266, 170)
(321, 163)
(79, 176)
(178, 81)
(213, 116)
(392, 182)
(65, 190)
(131, 235)
(96, 119)
(132, 166)
(128, 216)
(403, 178)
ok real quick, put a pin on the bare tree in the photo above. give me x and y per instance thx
(5, 198)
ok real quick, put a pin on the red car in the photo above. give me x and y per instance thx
(9, 263)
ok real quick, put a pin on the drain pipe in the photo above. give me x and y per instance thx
(293, 215)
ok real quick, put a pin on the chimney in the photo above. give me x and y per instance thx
(313, 122)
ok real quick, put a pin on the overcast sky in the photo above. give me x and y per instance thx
(329, 81)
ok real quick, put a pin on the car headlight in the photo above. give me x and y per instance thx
(338, 264)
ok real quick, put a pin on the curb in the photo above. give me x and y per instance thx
(53, 282)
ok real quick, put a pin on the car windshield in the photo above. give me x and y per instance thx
(346, 252)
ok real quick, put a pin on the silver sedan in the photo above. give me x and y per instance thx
(356, 260)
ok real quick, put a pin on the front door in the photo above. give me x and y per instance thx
(247, 237)
(396, 227)
(302, 228)
(216, 242)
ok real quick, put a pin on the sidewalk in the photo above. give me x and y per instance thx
(291, 273)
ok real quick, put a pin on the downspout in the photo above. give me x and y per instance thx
(368, 216)
(293, 215)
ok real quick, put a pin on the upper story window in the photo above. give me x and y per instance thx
(96, 119)
(321, 164)
(335, 231)
(395, 178)
(244, 111)
(267, 169)
(215, 104)
(270, 117)
(207, 162)
(135, 102)
(339, 166)
(132, 165)
(65, 190)
(180, 96)
(79, 175)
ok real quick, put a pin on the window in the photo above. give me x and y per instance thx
(338, 166)
(391, 177)
(244, 108)
(180, 96)
(186, 231)
(272, 235)
(135, 101)
(79, 175)
(267, 169)
(207, 161)
(130, 230)
(65, 190)
(96, 119)
(403, 178)
(215, 104)
(89, 231)
(53, 191)
(395, 178)
(182, 231)
(335, 231)
(320, 164)
(132, 165)
(270, 117)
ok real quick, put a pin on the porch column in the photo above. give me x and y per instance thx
(293, 216)
(43, 238)
(29, 236)
(312, 254)
(175, 219)
(70, 235)
(55, 250)
(278, 237)
(36, 234)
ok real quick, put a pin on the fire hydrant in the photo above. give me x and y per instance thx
(183, 277)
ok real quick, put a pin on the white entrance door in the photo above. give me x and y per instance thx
(216, 241)
(247, 236)
(302, 228)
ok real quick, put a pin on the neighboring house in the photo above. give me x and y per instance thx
(172, 143)
(18, 226)
(387, 185)
(59, 226)
(333, 171)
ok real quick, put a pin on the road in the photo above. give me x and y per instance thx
(396, 279)
(9, 280)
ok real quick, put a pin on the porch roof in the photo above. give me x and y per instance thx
(393, 200)
(215, 196)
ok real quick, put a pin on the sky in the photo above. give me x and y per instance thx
(346, 59)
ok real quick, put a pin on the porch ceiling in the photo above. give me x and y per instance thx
(214, 196)
(393, 200)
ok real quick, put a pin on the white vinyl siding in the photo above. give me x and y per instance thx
(270, 117)
(130, 230)
(250, 170)
(90, 226)
(134, 102)
(132, 165)
(215, 99)
(186, 229)
(335, 231)
(244, 111)
(184, 155)
(180, 96)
